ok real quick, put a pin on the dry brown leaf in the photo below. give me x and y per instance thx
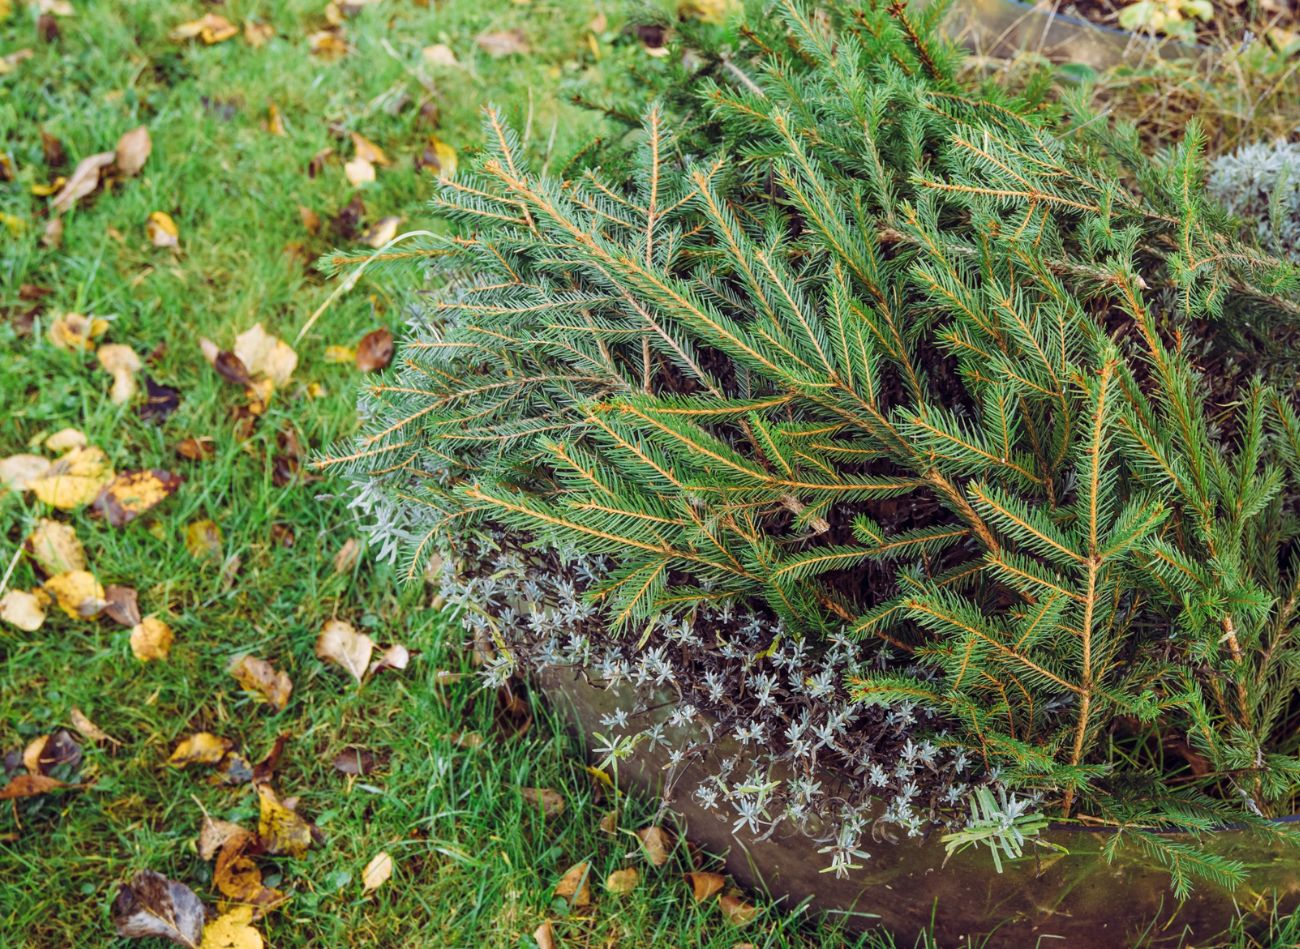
(439, 55)
(151, 639)
(203, 540)
(340, 643)
(377, 872)
(77, 593)
(233, 929)
(375, 351)
(55, 547)
(29, 785)
(17, 472)
(152, 905)
(356, 761)
(22, 609)
(65, 439)
(122, 363)
(133, 150)
(609, 822)
(395, 657)
(621, 881)
(327, 44)
(122, 605)
(280, 828)
(358, 171)
(262, 353)
(162, 230)
(574, 885)
(550, 801)
(467, 740)
(256, 34)
(656, 843)
(274, 120)
(238, 877)
(544, 936)
(504, 43)
(74, 479)
(83, 182)
(200, 748)
(199, 448)
(214, 833)
(88, 729)
(381, 232)
(75, 331)
(133, 493)
(705, 885)
(262, 679)
(211, 28)
(52, 233)
(736, 911)
(368, 150)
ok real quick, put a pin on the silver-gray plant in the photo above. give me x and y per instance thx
(1260, 183)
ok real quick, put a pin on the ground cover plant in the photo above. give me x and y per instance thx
(249, 555)
(876, 358)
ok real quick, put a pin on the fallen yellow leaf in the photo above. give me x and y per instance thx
(24, 610)
(377, 872)
(200, 748)
(73, 480)
(260, 352)
(263, 680)
(340, 354)
(621, 881)
(161, 230)
(64, 439)
(210, 28)
(256, 34)
(574, 887)
(358, 171)
(74, 331)
(340, 643)
(368, 150)
(151, 639)
(77, 593)
(17, 472)
(203, 540)
(282, 830)
(232, 930)
(705, 885)
(382, 231)
(122, 362)
(55, 547)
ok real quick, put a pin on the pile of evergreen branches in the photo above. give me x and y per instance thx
(885, 354)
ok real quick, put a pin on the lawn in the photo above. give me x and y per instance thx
(248, 556)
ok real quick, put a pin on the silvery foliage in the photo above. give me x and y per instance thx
(784, 714)
(1261, 184)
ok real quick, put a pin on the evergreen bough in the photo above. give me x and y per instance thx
(890, 354)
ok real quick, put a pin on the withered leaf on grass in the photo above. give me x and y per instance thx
(160, 401)
(504, 43)
(161, 230)
(544, 935)
(238, 877)
(265, 769)
(74, 479)
(233, 770)
(233, 929)
(29, 785)
(200, 748)
(656, 844)
(210, 28)
(153, 906)
(122, 363)
(395, 657)
(368, 150)
(24, 610)
(359, 171)
(377, 872)
(133, 493)
(736, 910)
(550, 801)
(281, 829)
(622, 881)
(77, 593)
(196, 449)
(381, 232)
(574, 886)
(705, 885)
(121, 605)
(356, 761)
(17, 472)
(375, 351)
(340, 643)
(151, 639)
(262, 680)
(42, 755)
(55, 547)
(88, 729)
(133, 150)
(214, 833)
(265, 354)
(74, 331)
(203, 540)
(84, 181)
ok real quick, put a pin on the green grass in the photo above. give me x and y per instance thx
(474, 866)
